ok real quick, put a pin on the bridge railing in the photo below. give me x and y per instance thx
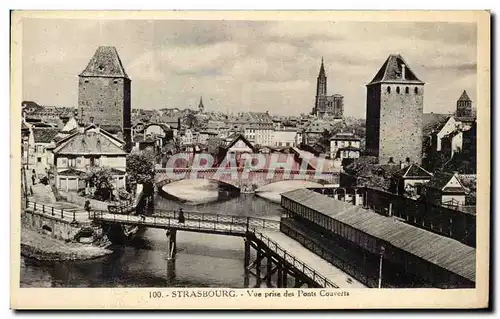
(57, 213)
(252, 222)
(298, 264)
(170, 222)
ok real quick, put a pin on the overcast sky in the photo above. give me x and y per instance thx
(241, 66)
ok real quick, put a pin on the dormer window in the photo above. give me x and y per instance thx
(101, 67)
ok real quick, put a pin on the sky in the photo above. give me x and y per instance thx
(248, 65)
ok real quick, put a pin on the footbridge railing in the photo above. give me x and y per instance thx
(63, 214)
(252, 222)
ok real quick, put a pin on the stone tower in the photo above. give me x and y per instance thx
(104, 93)
(394, 112)
(464, 106)
(201, 108)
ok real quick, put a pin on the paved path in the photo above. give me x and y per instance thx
(332, 273)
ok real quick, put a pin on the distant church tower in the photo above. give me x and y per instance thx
(326, 105)
(201, 108)
(104, 93)
(394, 112)
(464, 106)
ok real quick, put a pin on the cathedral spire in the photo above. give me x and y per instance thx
(200, 106)
(322, 69)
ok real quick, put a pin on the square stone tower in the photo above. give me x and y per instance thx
(394, 112)
(104, 93)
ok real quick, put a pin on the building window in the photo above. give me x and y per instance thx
(39, 159)
(388, 89)
(397, 89)
(407, 90)
(416, 90)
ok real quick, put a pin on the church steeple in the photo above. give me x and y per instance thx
(201, 108)
(322, 69)
(320, 90)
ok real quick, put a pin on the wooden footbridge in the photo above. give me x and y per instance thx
(273, 264)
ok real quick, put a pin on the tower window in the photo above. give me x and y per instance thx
(397, 89)
(416, 90)
(407, 90)
(388, 89)
(115, 81)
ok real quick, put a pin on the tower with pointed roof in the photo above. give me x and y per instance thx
(201, 108)
(394, 113)
(104, 93)
(464, 106)
(324, 104)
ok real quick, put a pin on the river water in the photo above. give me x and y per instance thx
(203, 260)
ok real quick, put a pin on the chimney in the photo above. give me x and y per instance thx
(403, 71)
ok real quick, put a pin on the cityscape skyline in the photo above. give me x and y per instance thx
(248, 65)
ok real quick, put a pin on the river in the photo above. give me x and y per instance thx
(203, 260)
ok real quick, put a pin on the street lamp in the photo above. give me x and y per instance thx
(382, 251)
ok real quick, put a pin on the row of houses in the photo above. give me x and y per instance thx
(69, 153)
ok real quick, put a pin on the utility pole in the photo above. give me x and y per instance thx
(382, 250)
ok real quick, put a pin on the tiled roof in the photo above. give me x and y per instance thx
(391, 71)
(464, 96)
(105, 62)
(433, 121)
(238, 137)
(90, 142)
(440, 180)
(445, 252)
(412, 170)
(44, 135)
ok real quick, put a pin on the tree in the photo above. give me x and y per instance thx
(141, 167)
(99, 179)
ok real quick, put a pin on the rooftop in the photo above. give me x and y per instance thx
(44, 135)
(445, 252)
(105, 63)
(392, 71)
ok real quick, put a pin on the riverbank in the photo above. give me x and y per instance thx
(44, 247)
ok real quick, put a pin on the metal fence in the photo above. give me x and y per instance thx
(58, 213)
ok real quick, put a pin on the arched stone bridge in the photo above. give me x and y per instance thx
(247, 180)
